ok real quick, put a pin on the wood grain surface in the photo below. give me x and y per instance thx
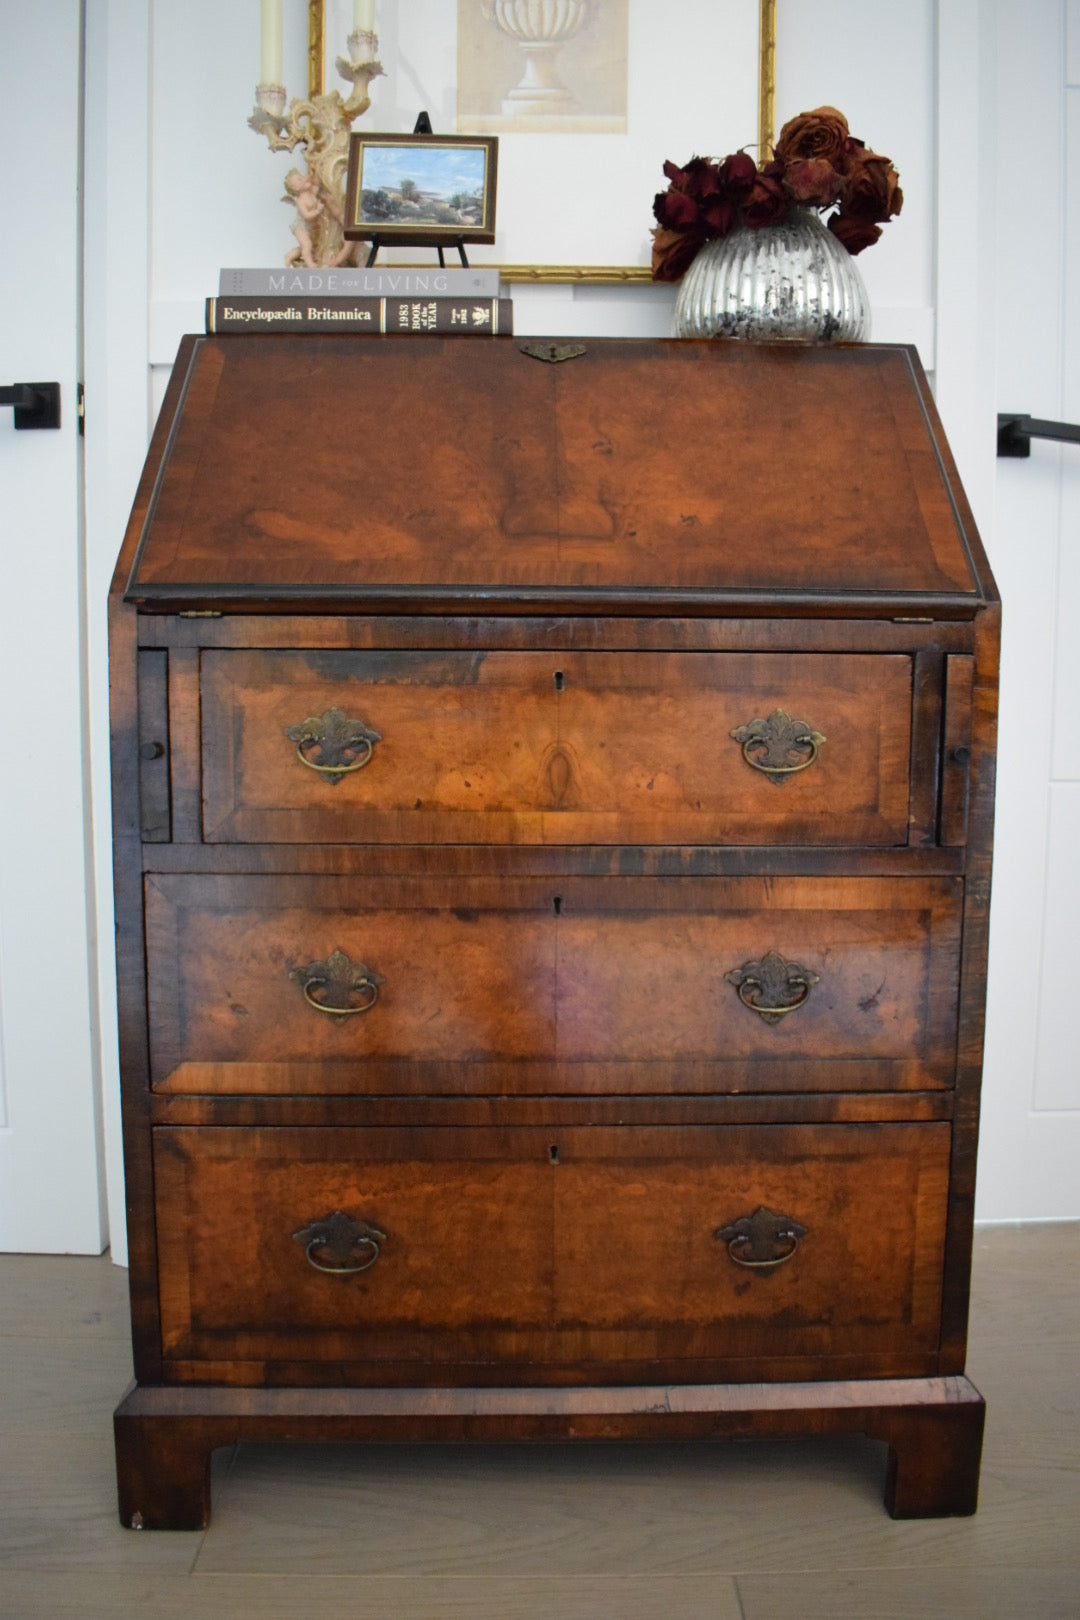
(534, 747)
(490, 471)
(586, 1247)
(610, 984)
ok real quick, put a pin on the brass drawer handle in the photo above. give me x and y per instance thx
(772, 987)
(332, 744)
(778, 746)
(341, 1240)
(761, 1241)
(338, 987)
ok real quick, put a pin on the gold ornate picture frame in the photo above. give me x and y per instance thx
(590, 274)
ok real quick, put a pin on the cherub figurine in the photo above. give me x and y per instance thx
(315, 209)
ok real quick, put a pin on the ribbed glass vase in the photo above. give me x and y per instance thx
(793, 282)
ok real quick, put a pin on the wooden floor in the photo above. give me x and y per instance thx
(755, 1531)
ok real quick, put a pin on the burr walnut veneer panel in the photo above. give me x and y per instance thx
(480, 473)
(553, 1248)
(529, 747)
(612, 984)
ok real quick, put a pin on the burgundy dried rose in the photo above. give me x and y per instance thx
(675, 211)
(698, 178)
(766, 204)
(871, 188)
(813, 182)
(737, 175)
(854, 234)
(718, 215)
(822, 134)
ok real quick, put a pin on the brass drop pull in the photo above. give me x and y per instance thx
(333, 745)
(340, 1245)
(772, 987)
(761, 1241)
(338, 987)
(779, 746)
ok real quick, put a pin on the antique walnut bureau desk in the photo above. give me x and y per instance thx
(553, 799)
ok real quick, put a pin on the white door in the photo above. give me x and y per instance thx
(50, 1183)
(1030, 1151)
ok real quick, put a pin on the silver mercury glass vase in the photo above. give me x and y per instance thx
(794, 282)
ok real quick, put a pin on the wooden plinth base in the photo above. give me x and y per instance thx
(165, 1434)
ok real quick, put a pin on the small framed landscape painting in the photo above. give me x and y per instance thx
(427, 189)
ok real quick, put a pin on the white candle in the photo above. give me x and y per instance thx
(270, 69)
(363, 16)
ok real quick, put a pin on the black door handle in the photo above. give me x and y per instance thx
(37, 405)
(1016, 432)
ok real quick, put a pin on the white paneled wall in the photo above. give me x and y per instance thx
(49, 1127)
(1057, 1070)
(1066, 757)
(1029, 1157)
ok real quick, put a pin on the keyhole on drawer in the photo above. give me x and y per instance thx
(553, 1153)
(559, 680)
(556, 904)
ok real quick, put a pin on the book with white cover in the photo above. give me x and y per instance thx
(381, 281)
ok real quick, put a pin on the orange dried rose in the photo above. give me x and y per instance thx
(822, 133)
(673, 252)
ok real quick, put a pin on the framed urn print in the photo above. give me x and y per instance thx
(586, 99)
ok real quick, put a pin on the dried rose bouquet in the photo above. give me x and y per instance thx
(817, 164)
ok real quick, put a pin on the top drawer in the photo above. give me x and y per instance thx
(555, 748)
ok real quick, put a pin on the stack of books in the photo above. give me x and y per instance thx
(407, 299)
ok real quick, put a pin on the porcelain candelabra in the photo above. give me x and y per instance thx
(321, 124)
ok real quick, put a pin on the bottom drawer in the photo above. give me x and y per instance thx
(485, 1255)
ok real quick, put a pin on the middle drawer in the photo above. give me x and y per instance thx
(323, 985)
